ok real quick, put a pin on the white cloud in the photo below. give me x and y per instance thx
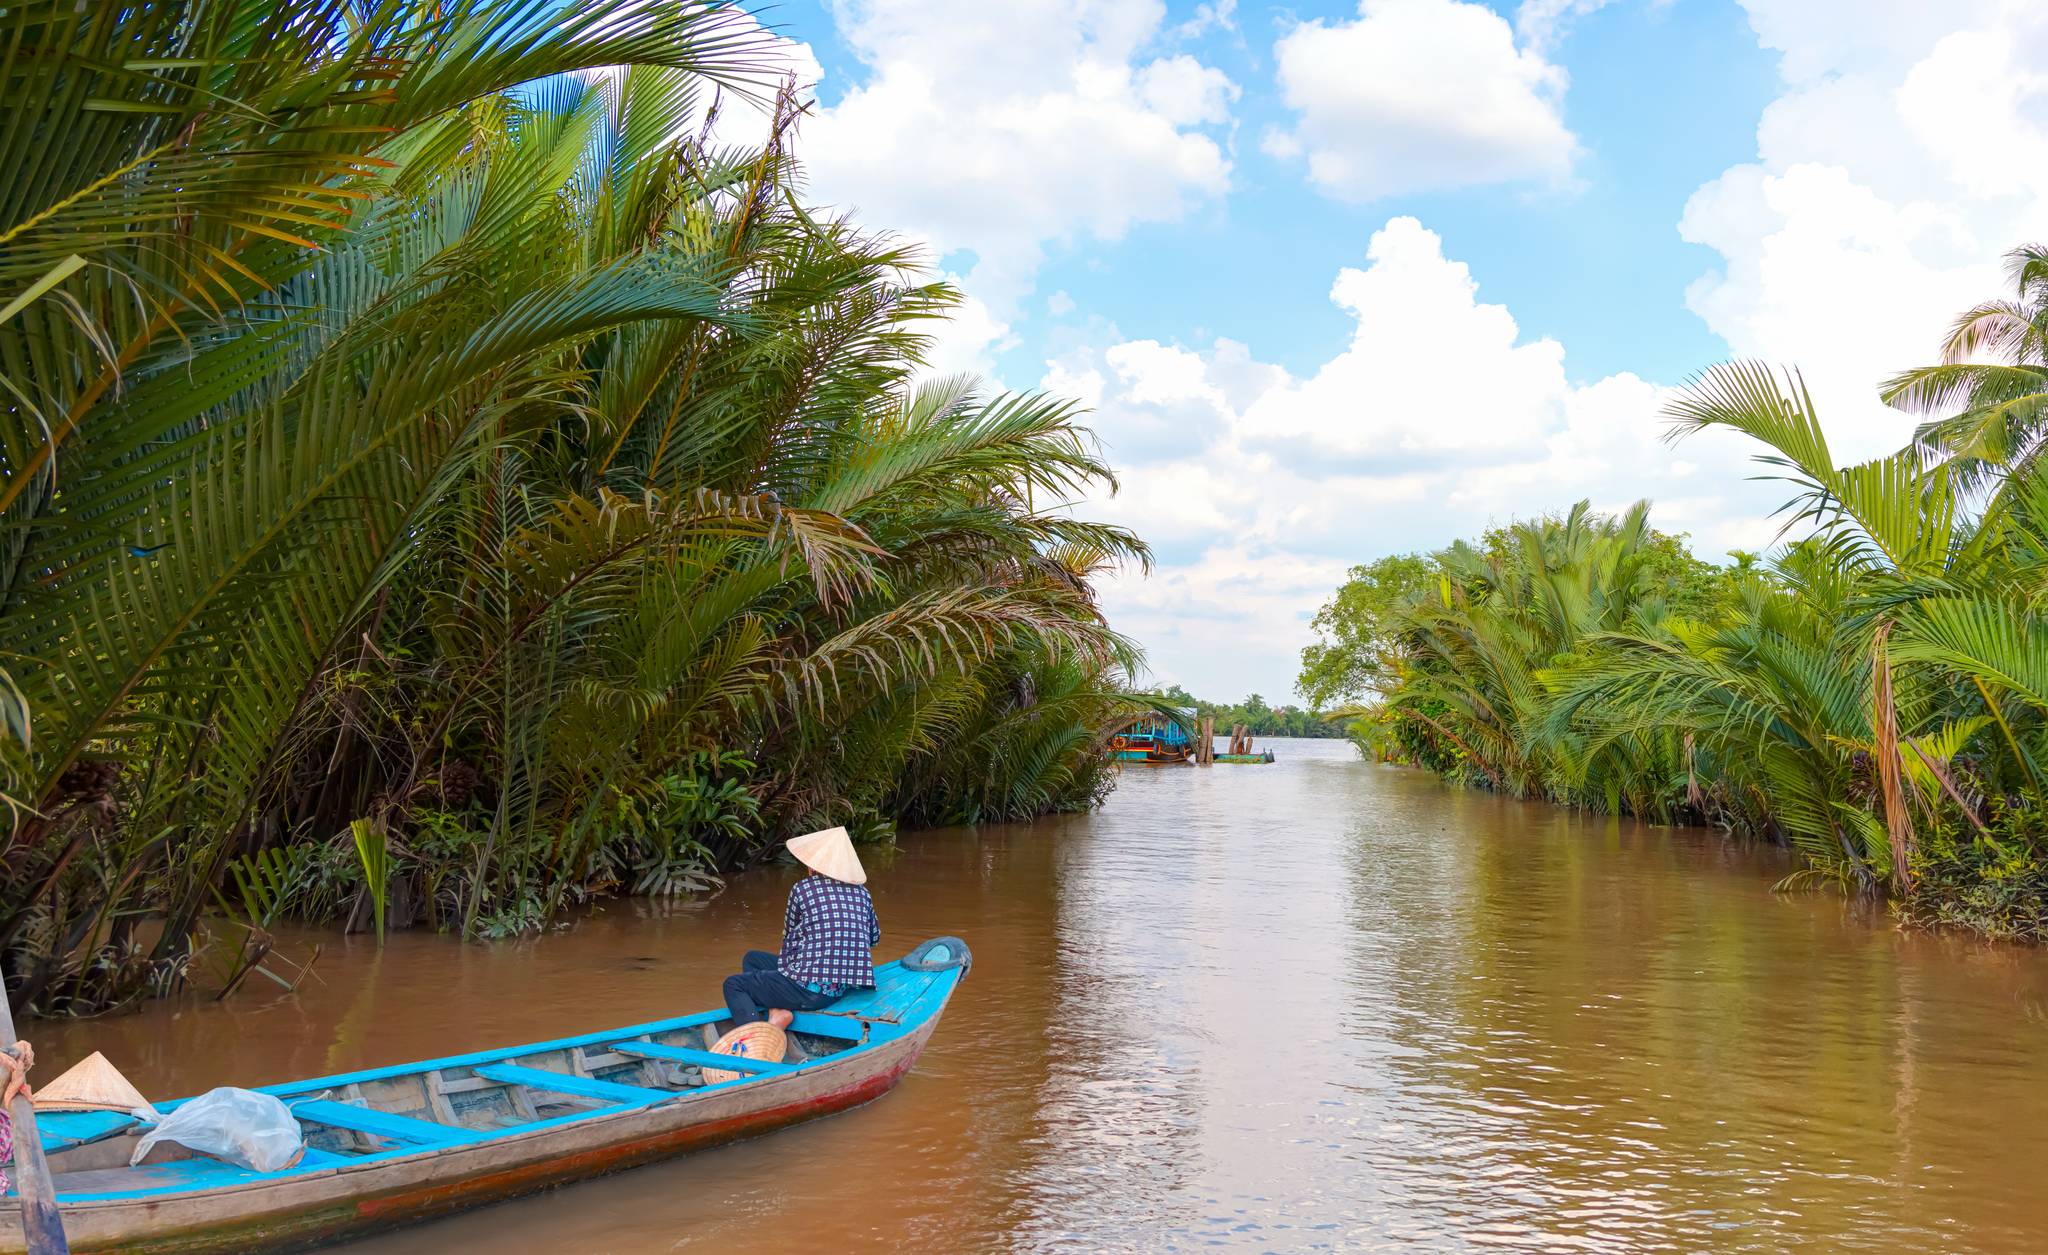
(967, 342)
(1034, 122)
(1380, 403)
(1818, 38)
(1285, 145)
(1417, 95)
(1216, 14)
(1151, 400)
(1978, 104)
(1228, 623)
(1185, 92)
(1542, 23)
(1907, 151)
(1437, 420)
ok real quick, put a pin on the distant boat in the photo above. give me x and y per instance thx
(394, 1145)
(1263, 756)
(1151, 740)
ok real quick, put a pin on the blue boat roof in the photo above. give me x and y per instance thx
(1165, 730)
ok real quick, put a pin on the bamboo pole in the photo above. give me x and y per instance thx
(42, 1229)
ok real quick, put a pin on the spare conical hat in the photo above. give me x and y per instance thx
(92, 1084)
(829, 853)
(759, 1040)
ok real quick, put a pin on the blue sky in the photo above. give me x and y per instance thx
(1345, 279)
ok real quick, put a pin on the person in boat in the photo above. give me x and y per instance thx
(16, 1060)
(829, 933)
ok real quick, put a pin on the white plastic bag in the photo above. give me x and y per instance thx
(238, 1125)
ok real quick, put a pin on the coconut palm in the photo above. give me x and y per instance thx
(1988, 415)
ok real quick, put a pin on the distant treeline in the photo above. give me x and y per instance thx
(1254, 713)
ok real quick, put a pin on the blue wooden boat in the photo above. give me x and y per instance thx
(390, 1146)
(1152, 740)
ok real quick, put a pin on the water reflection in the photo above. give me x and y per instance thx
(1316, 1005)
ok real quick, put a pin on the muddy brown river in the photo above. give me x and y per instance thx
(1317, 1005)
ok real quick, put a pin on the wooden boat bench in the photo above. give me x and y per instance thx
(830, 1024)
(575, 1086)
(702, 1058)
(61, 1130)
(384, 1124)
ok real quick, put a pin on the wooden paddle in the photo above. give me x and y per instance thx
(41, 1226)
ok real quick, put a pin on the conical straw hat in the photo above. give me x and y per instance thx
(830, 853)
(92, 1084)
(759, 1040)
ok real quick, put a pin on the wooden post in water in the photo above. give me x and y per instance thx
(1205, 741)
(42, 1229)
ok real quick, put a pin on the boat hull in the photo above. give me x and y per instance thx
(298, 1209)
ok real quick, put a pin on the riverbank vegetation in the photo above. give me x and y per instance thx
(1873, 694)
(445, 477)
(1253, 712)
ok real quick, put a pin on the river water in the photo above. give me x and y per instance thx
(1317, 1005)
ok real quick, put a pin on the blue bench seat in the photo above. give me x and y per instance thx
(564, 1083)
(341, 1115)
(61, 1130)
(702, 1058)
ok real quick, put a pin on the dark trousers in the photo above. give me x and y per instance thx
(760, 985)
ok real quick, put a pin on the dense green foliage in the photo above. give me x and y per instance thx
(436, 474)
(1875, 695)
(1253, 713)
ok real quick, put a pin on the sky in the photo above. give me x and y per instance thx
(1339, 280)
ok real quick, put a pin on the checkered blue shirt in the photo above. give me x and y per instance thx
(827, 935)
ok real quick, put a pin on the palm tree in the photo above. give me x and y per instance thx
(1772, 705)
(1473, 652)
(1987, 416)
(414, 391)
(1926, 619)
(242, 353)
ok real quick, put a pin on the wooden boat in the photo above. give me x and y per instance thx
(1263, 756)
(1152, 741)
(390, 1146)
